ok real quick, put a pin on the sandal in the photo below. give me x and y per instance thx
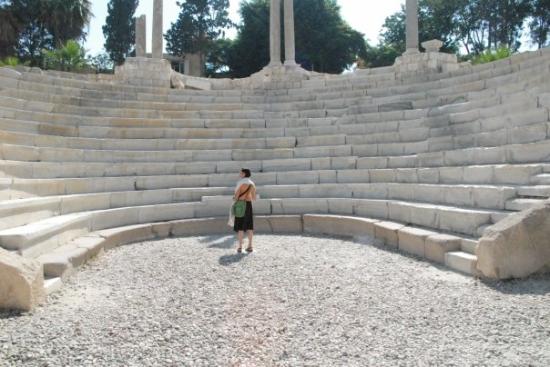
(239, 249)
(249, 249)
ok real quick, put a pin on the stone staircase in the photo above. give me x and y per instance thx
(426, 162)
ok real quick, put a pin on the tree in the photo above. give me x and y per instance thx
(47, 24)
(324, 41)
(539, 24)
(199, 24)
(9, 29)
(435, 21)
(381, 55)
(66, 19)
(119, 29)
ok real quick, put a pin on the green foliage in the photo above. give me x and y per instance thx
(436, 21)
(217, 59)
(10, 61)
(476, 25)
(324, 41)
(199, 24)
(119, 29)
(34, 25)
(70, 57)
(381, 55)
(101, 64)
(490, 55)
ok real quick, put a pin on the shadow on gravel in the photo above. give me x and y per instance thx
(226, 260)
(535, 285)
(224, 242)
(10, 314)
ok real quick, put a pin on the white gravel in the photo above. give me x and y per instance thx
(296, 301)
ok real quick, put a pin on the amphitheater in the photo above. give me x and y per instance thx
(427, 163)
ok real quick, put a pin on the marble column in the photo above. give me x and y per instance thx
(157, 30)
(412, 26)
(290, 48)
(141, 38)
(275, 33)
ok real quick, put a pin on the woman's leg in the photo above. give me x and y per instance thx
(250, 234)
(240, 236)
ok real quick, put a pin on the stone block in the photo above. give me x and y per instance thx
(21, 282)
(123, 235)
(388, 232)
(165, 212)
(371, 208)
(462, 220)
(299, 206)
(413, 240)
(437, 245)
(278, 224)
(353, 176)
(339, 225)
(517, 246)
(200, 227)
(297, 178)
(114, 218)
(341, 206)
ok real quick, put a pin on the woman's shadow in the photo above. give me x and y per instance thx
(227, 260)
(224, 243)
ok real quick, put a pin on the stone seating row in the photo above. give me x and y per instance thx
(509, 105)
(536, 128)
(492, 175)
(478, 85)
(422, 87)
(488, 107)
(29, 147)
(42, 236)
(470, 121)
(495, 197)
(433, 246)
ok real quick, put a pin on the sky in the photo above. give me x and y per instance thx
(366, 16)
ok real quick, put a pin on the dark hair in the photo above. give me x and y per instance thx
(246, 172)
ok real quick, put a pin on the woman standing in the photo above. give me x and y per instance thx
(245, 191)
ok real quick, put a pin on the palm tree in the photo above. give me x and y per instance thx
(67, 19)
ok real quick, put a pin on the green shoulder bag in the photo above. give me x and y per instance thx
(239, 206)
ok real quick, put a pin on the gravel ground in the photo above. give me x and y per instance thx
(296, 301)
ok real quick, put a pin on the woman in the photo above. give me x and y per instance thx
(246, 191)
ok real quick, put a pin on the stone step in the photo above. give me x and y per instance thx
(520, 204)
(415, 140)
(542, 179)
(542, 191)
(462, 262)
(469, 245)
(324, 170)
(36, 238)
(46, 235)
(24, 211)
(481, 229)
(52, 285)
(428, 183)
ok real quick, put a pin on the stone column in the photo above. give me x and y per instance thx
(290, 48)
(412, 26)
(141, 38)
(275, 33)
(157, 30)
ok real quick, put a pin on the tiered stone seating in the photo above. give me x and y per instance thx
(428, 161)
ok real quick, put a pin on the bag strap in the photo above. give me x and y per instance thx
(244, 193)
